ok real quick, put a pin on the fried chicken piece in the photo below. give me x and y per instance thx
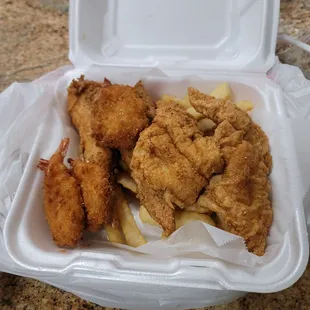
(202, 152)
(146, 98)
(120, 116)
(247, 186)
(256, 136)
(62, 199)
(96, 191)
(81, 103)
(241, 197)
(165, 167)
(219, 110)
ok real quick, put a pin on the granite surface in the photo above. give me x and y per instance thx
(34, 40)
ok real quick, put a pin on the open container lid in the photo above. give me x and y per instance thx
(222, 35)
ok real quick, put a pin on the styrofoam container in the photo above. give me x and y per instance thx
(218, 41)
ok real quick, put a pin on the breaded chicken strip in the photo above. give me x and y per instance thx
(256, 136)
(62, 199)
(120, 116)
(96, 192)
(165, 167)
(240, 197)
(219, 110)
(81, 104)
(202, 152)
(146, 98)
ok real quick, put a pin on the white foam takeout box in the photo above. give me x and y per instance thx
(218, 41)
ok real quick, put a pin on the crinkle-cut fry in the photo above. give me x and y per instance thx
(127, 181)
(183, 217)
(222, 91)
(130, 229)
(114, 234)
(145, 216)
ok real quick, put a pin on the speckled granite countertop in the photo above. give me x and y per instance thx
(34, 40)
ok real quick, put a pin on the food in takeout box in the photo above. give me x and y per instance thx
(197, 158)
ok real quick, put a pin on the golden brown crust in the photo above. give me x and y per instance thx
(256, 136)
(81, 94)
(218, 110)
(224, 111)
(146, 98)
(96, 191)
(241, 197)
(120, 117)
(165, 166)
(202, 152)
(62, 200)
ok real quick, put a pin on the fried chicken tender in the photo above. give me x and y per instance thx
(241, 197)
(202, 152)
(96, 191)
(219, 110)
(256, 136)
(146, 98)
(167, 163)
(120, 116)
(62, 199)
(81, 106)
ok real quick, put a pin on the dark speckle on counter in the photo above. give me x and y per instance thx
(34, 41)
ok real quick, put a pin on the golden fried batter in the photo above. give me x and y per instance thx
(96, 191)
(81, 103)
(202, 152)
(219, 110)
(62, 199)
(164, 167)
(120, 116)
(256, 136)
(241, 197)
(146, 98)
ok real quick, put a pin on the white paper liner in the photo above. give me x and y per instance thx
(30, 102)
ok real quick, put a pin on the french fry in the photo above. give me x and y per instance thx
(124, 166)
(127, 181)
(206, 124)
(114, 234)
(196, 208)
(183, 217)
(194, 113)
(215, 179)
(184, 102)
(130, 229)
(145, 216)
(166, 97)
(200, 206)
(245, 105)
(222, 91)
